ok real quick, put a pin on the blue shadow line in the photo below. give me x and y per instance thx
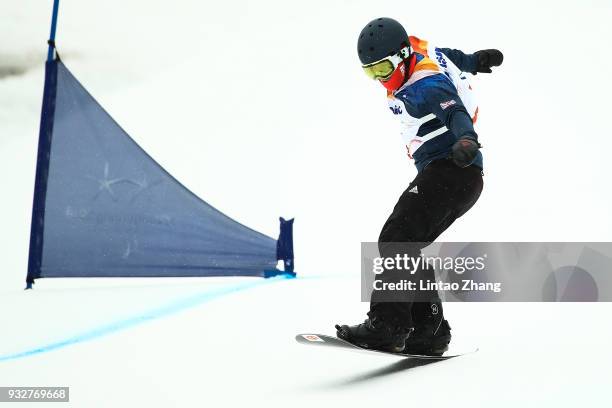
(153, 314)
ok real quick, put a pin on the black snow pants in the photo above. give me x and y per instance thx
(439, 194)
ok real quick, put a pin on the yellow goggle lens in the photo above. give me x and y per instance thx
(379, 70)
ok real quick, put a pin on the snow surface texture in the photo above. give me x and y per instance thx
(261, 108)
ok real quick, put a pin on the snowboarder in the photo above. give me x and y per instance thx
(428, 90)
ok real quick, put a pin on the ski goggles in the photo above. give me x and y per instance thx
(384, 68)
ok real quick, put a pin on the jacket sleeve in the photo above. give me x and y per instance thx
(465, 62)
(441, 98)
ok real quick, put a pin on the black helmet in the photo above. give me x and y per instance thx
(380, 38)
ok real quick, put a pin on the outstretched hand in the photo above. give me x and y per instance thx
(487, 59)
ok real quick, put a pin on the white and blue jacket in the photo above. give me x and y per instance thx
(436, 106)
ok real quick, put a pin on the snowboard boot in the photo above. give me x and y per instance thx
(375, 334)
(431, 334)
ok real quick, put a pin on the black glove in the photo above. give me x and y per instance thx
(464, 151)
(488, 59)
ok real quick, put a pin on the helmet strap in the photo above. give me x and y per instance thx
(406, 55)
(405, 52)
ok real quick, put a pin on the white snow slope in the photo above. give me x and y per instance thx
(261, 108)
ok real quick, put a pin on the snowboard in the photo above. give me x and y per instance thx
(323, 340)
